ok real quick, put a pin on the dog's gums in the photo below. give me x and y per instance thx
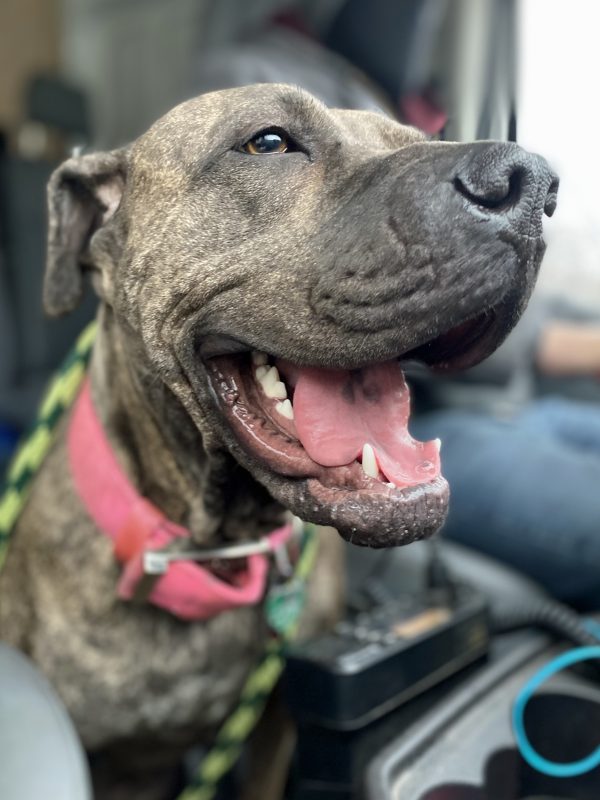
(333, 418)
(337, 440)
(344, 430)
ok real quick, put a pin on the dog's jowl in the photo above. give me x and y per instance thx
(264, 265)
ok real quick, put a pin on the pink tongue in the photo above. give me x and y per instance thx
(336, 412)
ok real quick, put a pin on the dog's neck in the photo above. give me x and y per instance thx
(163, 453)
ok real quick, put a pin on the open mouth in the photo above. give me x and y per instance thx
(343, 434)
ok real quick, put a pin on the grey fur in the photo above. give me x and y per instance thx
(355, 249)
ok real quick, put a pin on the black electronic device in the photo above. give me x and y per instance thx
(379, 659)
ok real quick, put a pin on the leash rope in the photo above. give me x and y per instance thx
(28, 459)
(232, 735)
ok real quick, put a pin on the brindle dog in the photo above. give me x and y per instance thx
(255, 219)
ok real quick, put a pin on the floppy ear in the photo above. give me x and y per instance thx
(83, 194)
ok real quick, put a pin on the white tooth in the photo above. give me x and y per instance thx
(391, 485)
(369, 463)
(276, 390)
(438, 444)
(259, 359)
(260, 372)
(285, 409)
(271, 377)
(272, 386)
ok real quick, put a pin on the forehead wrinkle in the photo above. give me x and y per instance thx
(302, 107)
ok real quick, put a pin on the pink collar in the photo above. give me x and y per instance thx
(186, 589)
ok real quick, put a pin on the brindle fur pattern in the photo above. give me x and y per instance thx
(187, 240)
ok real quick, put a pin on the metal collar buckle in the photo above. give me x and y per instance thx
(156, 562)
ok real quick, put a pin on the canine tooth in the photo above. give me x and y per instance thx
(285, 409)
(438, 444)
(260, 372)
(391, 485)
(369, 463)
(259, 359)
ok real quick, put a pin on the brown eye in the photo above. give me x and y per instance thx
(267, 143)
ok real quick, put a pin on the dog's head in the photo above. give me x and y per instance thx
(274, 261)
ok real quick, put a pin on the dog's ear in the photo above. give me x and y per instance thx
(83, 195)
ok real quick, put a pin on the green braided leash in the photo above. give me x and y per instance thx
(59, 397)
(283, 606)
(230, 739)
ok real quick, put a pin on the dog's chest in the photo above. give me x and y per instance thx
(123, 670)
(140, 673)
(128, 671)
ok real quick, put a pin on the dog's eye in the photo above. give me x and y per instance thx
(269, 142)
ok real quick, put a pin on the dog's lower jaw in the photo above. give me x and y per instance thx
(402, 517)
(400, 499)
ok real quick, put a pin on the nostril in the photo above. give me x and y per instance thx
(551, 197)
(497, 195)
(504, 179)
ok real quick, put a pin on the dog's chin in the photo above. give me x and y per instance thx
(367, 513)
(333, 445)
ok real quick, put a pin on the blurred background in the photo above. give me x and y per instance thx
(521, 432)
(94, 74)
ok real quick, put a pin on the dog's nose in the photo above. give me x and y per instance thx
(503, 177)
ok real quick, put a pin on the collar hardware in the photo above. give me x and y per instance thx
(156, 562)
